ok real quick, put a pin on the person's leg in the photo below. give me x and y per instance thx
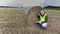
(39, 24)
(44, 25)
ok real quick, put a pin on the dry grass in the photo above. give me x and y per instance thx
(12, 22)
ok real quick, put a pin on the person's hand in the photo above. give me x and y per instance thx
(39, 22)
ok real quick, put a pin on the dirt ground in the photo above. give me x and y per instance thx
(12, 22)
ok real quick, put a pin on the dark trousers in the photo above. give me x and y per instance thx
(40, 25)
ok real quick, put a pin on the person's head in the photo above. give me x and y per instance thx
(42, 12)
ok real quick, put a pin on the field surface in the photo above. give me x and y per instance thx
(12, 22)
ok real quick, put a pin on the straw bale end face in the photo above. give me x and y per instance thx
(32, 15)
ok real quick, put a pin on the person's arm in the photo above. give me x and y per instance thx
(38, 17)
(46, 18)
